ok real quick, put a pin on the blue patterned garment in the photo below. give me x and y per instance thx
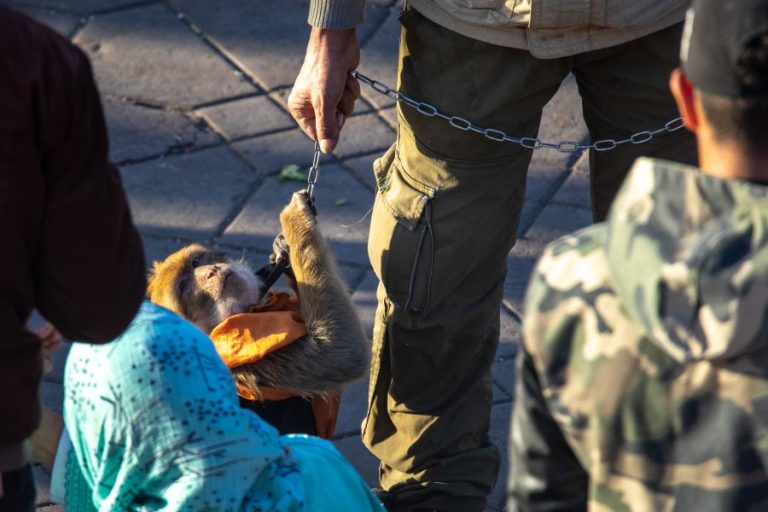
(155, 425)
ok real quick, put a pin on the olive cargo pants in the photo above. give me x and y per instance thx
(444, 220)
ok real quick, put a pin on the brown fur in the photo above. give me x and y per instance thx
(205, 286)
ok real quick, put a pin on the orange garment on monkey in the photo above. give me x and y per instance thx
(248, 337)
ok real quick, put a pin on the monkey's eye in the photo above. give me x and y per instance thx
(182, 284)
(196, 261)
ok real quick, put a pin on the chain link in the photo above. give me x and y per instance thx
(313, 173)
(463, 124)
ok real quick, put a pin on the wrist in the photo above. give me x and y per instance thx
(333, 39)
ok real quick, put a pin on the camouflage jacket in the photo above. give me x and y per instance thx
(645, 365)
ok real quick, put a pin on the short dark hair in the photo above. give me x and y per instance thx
(744, 120)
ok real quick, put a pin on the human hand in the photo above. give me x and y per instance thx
(51, 341)
(324, 93)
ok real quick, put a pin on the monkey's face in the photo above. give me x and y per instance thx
(204, 286)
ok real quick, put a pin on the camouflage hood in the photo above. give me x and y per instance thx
(688, 255)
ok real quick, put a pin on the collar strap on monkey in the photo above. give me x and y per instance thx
(270, 273)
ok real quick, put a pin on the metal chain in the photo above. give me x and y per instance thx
(499, 136)
(313, 173)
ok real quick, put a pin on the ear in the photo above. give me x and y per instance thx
(685, 97)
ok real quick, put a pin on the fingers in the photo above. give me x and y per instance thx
(324, 93)
(49, 336)
(300, 107)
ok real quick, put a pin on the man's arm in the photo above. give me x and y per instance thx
(545, 474)
(90, 270)
(324, 93)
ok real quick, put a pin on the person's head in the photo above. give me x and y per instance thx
(721, 88)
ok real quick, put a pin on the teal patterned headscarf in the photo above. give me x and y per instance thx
(155, 424)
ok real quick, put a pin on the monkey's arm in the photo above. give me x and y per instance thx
(336, 351)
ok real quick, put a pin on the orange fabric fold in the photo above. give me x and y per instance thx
(248, 337)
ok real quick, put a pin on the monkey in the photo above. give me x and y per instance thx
(207, 287)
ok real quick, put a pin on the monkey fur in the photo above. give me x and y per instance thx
(206, 286)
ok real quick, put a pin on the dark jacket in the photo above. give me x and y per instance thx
(68, 246)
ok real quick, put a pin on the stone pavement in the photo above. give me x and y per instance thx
(194, 94)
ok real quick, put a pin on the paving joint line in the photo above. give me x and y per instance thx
(230, 99)
(356, 176)
(125, 7)
(220, 50)
(554, 188)
(512, 311)
(235, 211)
(361, 275)
(178, 149)
(79, 26)
(232, 61)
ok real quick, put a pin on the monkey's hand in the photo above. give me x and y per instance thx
(297, 220)
(280, 250)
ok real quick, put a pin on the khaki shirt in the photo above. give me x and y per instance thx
(553, 28)
(546, 28)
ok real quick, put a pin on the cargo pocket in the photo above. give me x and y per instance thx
(401, 242)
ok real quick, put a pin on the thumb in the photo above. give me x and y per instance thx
(327, 128)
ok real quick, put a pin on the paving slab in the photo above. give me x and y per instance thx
(389, 116)
(81, 7)
(358, 455)
(509, 336)
(354, 406)
(248, 117)
(271, 52)
(63, 23)
(362, 168)
(344, 225)
(187, 196)
(137, 132)
(575, 191)
(269, 153)
(561, 121)
(157, 249)
(149, 55)
(557, 220)
(364, 299)
(364, 134)
(520, 263)
(378, 59)
(503, 371)
(52, 395)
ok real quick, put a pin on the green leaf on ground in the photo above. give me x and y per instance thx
(292, 172)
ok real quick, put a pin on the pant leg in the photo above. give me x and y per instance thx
(625, 90)
(18, 490)
(444, 220)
